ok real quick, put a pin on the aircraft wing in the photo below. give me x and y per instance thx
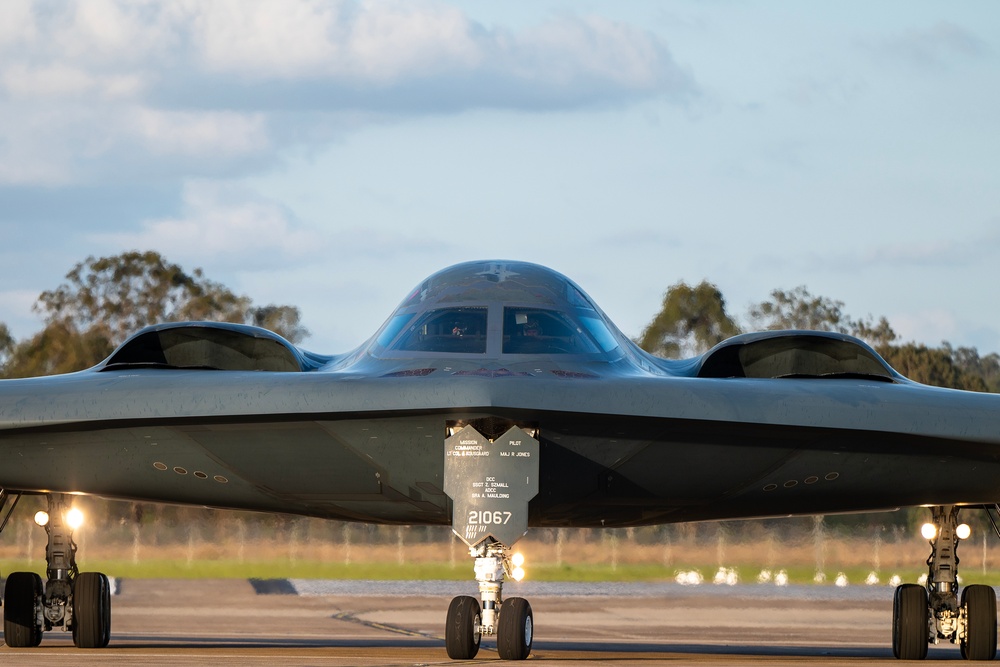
(767, 424)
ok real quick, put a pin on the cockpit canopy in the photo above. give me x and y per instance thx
(496, 307)
(794, 354)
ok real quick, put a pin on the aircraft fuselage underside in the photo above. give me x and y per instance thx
(594, 471)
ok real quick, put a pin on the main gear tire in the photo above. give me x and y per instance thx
(91, 610)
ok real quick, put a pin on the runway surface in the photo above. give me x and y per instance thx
(237, 622)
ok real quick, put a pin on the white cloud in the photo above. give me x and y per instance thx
(598, 48)
(199, 133)
(264, 39)
(125, 83)
(377, 42)
(17, 26)
(22, 81)
(225, 225)
(391, 40)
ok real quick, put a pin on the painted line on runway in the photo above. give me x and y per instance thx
(351, 618)
(564, 589)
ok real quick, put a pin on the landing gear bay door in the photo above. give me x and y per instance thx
(490, 484)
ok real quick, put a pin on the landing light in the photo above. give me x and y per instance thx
(928, 531)
(963, 531)
(517, 560)
(74, 518)
(42, 517)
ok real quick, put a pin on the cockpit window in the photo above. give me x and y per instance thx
(394, 326)
(532, 331)
(447, 330)
(600, 332)
(576, 298)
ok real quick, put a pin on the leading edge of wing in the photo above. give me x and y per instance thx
(89, 399)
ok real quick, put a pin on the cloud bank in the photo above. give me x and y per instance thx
(92, 90)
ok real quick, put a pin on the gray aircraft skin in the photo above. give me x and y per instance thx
(765, 424)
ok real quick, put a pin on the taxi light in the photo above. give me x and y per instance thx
(517, 559)
(928, 531)
(518, 574)
(42, 517)
(74, 518)
(963, 531)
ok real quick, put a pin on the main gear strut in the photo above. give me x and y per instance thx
(922, 615)
(70, 600)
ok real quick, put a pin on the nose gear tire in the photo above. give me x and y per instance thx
(515, 629)
(462, 629)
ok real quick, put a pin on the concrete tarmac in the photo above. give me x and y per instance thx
(235, 622)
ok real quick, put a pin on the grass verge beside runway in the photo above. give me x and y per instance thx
(461, 570)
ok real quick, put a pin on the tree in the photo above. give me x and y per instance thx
(283, 320)
(6, 345)
(105, 300)
(969, 361)
(121, 294)
(58, 348)
(691, 320)
(878, 334)
(932, 366)
(944, 367)
(798, 309)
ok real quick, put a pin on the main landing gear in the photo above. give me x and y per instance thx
(510, 620)
(927, 615)
(76, 601)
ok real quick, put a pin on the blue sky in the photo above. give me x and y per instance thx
(332, 154)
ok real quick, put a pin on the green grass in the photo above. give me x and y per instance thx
(462, 570)
(278, 569)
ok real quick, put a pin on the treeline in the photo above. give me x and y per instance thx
(694, 318)
(105, 300)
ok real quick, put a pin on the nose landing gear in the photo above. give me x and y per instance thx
(510, 620)
(490, 483)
